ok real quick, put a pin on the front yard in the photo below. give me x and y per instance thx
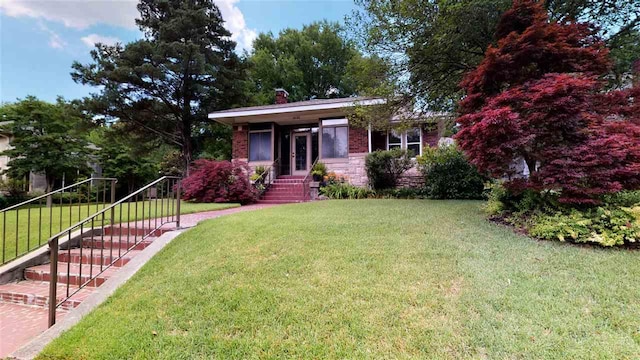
(367, 279)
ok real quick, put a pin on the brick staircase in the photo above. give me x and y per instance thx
(77, 266)
(284, 189)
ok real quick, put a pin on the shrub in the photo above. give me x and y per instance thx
(448, 174)
(401, 193)
(319, 169)
(601, 226)
(345, 191)
(384, 168)
(218, 181)
(623, 198)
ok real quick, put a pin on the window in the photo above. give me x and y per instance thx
(260, 144)
(411, 140)
(335, 138)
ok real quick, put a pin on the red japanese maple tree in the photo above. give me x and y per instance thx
(538, 96)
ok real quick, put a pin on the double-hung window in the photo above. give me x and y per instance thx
(260, 142)
(335, 138)
(410, 140)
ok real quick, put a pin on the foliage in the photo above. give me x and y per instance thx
(343, 190)
(14, 188)
(133, 160)
(213, 141)
(401, 193)
(601, 226)
(47, 138)
(384, 168)
(448, 175)
(172, 164)
(218, 181)
(623, 198)
(431, 45)
(165, 83)
(315, 62)
(536, 97)
(319, 169)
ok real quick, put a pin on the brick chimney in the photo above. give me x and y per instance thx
(282, 96)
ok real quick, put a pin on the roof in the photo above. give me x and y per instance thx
(309, 105)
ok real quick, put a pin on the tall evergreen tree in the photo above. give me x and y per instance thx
(164, 84)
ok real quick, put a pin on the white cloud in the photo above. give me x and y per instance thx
(55, 41)
(234, 22)
(92, 39)
(81, 14)
(78, 14)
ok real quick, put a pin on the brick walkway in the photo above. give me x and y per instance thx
(21, 323)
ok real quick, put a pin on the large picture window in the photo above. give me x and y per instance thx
(410, 140)
(260, 145)
(335, 138)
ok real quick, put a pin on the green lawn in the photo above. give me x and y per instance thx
(367, 279)
(34, 233)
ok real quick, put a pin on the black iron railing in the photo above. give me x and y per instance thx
(26, 226)
(109, 234)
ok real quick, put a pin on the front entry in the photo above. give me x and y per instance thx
(300, 153)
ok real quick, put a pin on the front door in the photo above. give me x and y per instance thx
(300, 153)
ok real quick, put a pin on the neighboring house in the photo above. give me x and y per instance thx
(289, 137)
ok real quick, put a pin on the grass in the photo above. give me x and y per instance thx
(366, 279)
(32, 233)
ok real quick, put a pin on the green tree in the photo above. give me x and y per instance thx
(315, 62)
(165, 84)
(47, 139)
(133, 160)
(432, 44)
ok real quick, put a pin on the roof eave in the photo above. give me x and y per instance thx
(228, 117)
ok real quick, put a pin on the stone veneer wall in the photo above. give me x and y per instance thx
(351, 168)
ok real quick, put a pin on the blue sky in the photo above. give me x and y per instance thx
(40, 39)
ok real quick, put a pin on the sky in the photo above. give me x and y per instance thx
(40, 39)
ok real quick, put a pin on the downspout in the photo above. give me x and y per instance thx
(369, 137)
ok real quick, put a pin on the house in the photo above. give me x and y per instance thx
(289, 137)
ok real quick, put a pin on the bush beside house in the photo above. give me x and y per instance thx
(219, 182)
(448, 174)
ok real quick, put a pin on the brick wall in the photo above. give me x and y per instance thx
(240, 142)
(430, 137)
(358, 140)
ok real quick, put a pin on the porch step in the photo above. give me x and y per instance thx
(72, 274)
(84, 256)
(278, 201)
(274, 196)
(134, 231)
(36, 293)
(109, 243)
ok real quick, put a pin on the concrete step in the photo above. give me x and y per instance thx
(104, 257)
(72, 274)
(115, 242)
(36, 293)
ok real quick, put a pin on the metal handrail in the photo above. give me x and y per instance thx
(143, 228)
(267, 177)
(305, 182)
(24, 237)
(57, 191)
